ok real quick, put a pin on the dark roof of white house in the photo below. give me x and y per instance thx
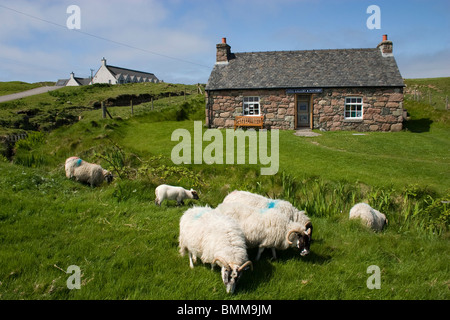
(307, 68)
(80, 81)
(118, 70)
(83, 81)
(61, 82)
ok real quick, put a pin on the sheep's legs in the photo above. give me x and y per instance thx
(274, 255)
(260, 250)
(191, 263)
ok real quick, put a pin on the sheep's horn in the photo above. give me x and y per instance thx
(309, 227)
(246, 264)
(222, 260)
(289, 234)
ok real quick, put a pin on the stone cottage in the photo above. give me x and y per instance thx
(342, 89)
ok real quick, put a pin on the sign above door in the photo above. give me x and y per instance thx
(305, 90)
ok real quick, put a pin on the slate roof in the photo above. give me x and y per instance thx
(116, 71)
(61, 82)
(307, 68)
(82, 81)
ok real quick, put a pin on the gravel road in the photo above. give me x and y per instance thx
(27, 93)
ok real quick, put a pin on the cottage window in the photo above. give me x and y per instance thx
(251, 106)
(353, 108)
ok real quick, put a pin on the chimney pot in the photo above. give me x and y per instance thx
(385, 47)
(223, 54)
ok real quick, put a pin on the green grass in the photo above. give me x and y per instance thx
(127, 248)
(435, 90)
(50, 110)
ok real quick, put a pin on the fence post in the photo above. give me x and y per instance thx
(446, 102)
(132, 110)
(103, 111)
(152, 103)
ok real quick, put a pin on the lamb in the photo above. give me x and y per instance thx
(267, 228)
(283, 206)
(374, 219)
(166, 192)
(216, 239)
(86, 172)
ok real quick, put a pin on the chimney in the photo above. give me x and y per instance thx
(385, 47)
(104, 62)
(72, 75)
(223, 52)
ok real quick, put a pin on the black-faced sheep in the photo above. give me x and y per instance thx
(282, 206)
(215, 238)
(266, 228)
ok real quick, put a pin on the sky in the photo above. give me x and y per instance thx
(176, 39)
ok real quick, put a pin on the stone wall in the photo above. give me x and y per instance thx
(382, 108)
(276, 106)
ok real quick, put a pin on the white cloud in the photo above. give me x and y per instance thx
(129, 26)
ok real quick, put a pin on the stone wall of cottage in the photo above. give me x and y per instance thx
(382, 108)
(276, 106)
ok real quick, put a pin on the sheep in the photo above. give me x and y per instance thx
(215, 239)
(266, 228)
(86, 172)
(372, 218)
(283, 206)
(166, 192)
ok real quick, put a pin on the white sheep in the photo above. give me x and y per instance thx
(266, 228)
(166, 192)
(283, 206)
(372, 218)
(215, 238)
(259, 201)
(86, 172)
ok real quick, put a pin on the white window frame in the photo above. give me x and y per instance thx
(351, 107)
(250, 105)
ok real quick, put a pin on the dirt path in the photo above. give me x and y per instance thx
(27, 93)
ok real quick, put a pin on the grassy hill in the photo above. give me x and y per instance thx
(126, 247)
(47, 111)
(434, 92)
(11, 87)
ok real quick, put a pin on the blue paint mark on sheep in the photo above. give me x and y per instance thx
(78, 162)
(270, 205)
(198, 215)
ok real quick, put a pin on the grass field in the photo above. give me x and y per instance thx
(47, 111)
(127, 248)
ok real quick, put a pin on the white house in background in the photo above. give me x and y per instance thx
(73, 81)
(116, 75)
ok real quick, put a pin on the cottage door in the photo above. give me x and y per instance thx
(303, 111)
